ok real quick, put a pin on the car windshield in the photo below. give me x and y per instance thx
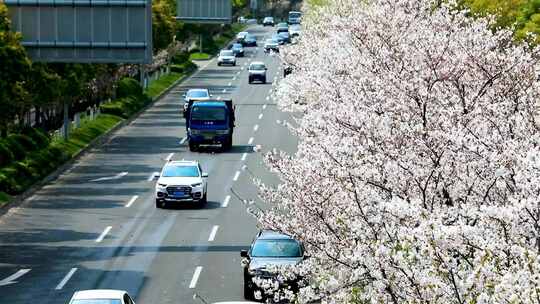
(197, 94)
(295, 27)
(294, 15)
(250, 37)
(271, 41)
(269, 19)
(283, 24)
(226, 53)
(180, 171)
(237, 46)
(276, 248)
(214, 114)
(97, 301)
(284, 34)
(241, 34)
(257, 66)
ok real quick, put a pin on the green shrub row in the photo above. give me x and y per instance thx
(17, 146)
(20, 175)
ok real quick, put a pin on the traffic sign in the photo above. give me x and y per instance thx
(84, 31)
(204, 11)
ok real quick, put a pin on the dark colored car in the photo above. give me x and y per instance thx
(268, 21)
(250, 40)
(238, 49)
(286, 37)
(269, 248)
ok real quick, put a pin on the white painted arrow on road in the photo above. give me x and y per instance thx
(11, 279)
(117, 176)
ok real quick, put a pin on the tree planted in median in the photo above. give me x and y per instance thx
(417, 176)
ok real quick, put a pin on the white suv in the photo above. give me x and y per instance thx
(226, 57)
(181, 182)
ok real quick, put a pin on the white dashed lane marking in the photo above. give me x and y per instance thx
(103, 234)
(131, 201)
(236, 176)
(213, 233)
(250, 141)
(255, 128)
(66, 279)
(226, 201)
(260, 116)
(244, 156)
(195, 277)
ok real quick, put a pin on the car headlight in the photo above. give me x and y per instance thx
(252, 271)
(196, 185)
(222, 132)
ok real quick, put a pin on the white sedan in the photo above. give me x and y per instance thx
(101, 296)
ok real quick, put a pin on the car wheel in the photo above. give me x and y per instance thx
(159, 204)
(234, 64)
(250, 81)
(192, 147)
(248, 293)
(219, 64)
(203, 201)
(264, 80)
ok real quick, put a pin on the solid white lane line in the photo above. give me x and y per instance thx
(264, 106)
(11, 279)
(183, 140)
(236, 176)
(213, 233)
(261, 116)
(153, 176)
(131, 201)
(195, 277)
(255, 128)
(244, 156)
(66, 279)
(169, 157)
(103, 234)
(226, 201)
(250, 141)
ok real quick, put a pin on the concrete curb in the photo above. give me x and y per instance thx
(98, 141)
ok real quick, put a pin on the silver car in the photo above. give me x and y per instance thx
(226, 57)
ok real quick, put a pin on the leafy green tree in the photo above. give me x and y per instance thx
(15, 65)
(163, 24)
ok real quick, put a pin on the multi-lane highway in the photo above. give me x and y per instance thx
(96, 226)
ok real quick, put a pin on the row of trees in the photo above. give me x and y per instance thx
(417, 176)
(35, 92)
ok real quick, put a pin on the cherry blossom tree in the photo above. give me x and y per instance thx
(417, 175)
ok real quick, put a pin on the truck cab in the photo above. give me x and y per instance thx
(210, 123)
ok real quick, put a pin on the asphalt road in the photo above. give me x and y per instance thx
(96, 226)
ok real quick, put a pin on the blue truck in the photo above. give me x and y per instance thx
(210, 122)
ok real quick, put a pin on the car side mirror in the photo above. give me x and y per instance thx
(204, 174)
(244, 253)
(211, 95)
(183, 95)
(306, 256)
(265, 69)
(157, 175)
